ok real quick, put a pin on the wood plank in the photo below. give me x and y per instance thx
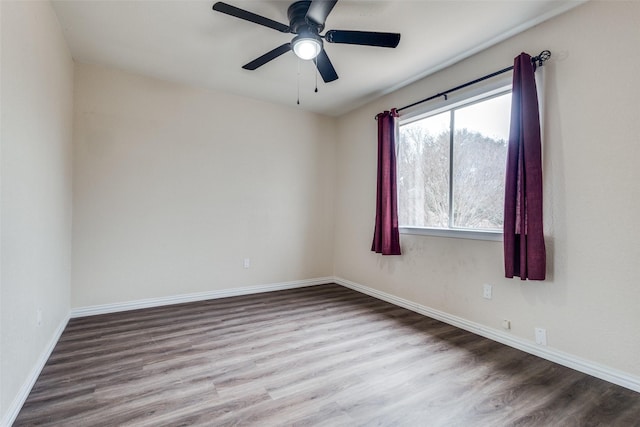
(322, 355)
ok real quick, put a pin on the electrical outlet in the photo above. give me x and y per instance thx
(246, 263)
(487, 291)
(541, 336)
(506, 324)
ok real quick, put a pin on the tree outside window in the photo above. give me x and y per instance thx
(451, 167)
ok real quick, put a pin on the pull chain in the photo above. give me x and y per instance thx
(315, 61)
(298, 102)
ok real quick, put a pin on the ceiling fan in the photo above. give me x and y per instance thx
(306, 21)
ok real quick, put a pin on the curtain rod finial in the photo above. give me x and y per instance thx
(542, 57)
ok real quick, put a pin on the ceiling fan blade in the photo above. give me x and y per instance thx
(319, 10)
(325, 67)
(249, 16)
(269, 56)
(367, 38)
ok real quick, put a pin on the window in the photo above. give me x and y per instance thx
(451, 168)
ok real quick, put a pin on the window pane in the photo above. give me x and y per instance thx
(423, 172)
(479, 156)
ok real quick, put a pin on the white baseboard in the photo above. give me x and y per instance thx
(200, 296)
(588, 367)
(599, 371)
(21, 397)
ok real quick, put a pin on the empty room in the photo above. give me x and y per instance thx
(323, 213)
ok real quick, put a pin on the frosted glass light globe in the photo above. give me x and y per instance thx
(306, 48)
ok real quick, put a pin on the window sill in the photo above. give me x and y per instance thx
(454, 233)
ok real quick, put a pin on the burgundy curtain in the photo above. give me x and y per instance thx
(524, 250)
(386, 237)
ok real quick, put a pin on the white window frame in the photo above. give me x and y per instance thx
(478, 94)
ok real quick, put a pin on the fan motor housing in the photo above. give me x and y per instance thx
(298, 22)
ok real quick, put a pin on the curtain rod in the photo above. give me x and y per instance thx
(540, 59)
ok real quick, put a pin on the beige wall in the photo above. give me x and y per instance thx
(589, 305)
(37, 95)
(175, 186)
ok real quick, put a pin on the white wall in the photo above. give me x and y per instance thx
(36, 126)
(174, 186)
(589, 304)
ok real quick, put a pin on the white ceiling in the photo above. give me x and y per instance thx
(186, 41)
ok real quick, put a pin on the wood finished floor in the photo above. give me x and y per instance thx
(318, 356)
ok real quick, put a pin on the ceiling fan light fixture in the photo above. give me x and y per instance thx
(306, 20)
(307, 46)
